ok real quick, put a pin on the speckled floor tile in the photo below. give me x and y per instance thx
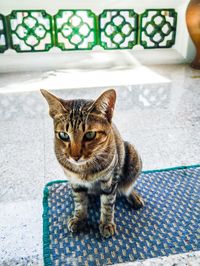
(187, 259)
(161, 119)
(22, 178)
(21, 230)
(21, 159)
(21, 105)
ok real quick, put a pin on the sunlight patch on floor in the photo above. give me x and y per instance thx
(76, 78)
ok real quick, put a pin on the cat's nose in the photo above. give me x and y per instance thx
(76, 158)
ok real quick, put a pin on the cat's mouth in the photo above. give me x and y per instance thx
(79, 162)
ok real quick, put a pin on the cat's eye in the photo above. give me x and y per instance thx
(63, 136)
(90, 135)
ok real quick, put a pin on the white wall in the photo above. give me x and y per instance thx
(97, 6)
(183, 50)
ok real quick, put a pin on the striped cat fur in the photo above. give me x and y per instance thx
(94, 157)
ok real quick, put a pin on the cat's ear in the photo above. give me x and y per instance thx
(106, 103)
(55, 105)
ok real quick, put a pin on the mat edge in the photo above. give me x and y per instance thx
(143, 172)
(171, 168)
(46, 239)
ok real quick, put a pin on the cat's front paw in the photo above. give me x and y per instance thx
(76, 224)
(107, 229)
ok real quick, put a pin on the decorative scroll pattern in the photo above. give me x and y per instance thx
(158, 28)
(75, 29)
(3, 40)
(31, 31)
(37, 31)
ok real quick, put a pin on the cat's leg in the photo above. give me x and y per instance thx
(131, 172)
(107, 226)
(135, 200)
(78, 220)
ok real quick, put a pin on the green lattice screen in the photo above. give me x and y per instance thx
(3, 39)
(31, 31)
(75, 29)
(158, 28)
(36, 30)
(118, 29)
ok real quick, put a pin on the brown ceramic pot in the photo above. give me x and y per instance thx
(193, 24)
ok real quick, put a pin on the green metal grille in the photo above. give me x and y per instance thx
(3, 39)
(118, 29)
(75, 29)
(37, 31)
(158, 28)
(31, 31)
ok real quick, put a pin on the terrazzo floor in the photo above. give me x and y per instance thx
(161, 118)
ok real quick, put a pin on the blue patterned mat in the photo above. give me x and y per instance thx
(168, 224)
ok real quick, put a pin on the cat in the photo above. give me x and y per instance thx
(94, 157)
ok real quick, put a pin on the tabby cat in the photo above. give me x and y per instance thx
(94, 157)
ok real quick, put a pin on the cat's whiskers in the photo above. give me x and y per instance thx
(61, 158)
(99, 159)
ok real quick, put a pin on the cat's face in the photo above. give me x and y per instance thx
(82, 128)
